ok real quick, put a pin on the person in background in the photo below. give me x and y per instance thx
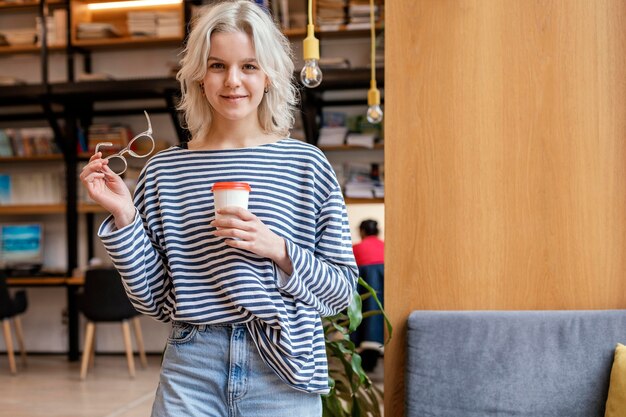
(371, 250)
(245, 293)
(370, 258)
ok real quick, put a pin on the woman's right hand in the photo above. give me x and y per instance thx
(108, 190)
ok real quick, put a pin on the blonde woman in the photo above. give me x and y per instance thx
(245, 294)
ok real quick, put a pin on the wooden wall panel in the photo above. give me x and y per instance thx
(505, 159)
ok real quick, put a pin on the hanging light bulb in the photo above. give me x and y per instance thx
(311, 74)
(374, 112)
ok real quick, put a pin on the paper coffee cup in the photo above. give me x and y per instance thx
(228, 194)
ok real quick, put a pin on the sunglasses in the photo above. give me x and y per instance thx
(140, 146)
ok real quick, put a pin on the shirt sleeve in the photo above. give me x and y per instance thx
(142, 265)
(324, 278)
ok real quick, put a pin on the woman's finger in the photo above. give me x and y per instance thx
(230, 223)
(233, 233)
(240, 212)
(95, 156)
(239, 244)
(92, 177)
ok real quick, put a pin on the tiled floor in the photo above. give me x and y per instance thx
(50, 387)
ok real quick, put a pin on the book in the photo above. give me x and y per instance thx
(332, 136)
(5, 189)
(6, 149)
(361, 139)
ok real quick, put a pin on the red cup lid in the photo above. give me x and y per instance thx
(231, 186)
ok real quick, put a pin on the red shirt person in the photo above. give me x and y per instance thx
(371, 250)
(370, 257)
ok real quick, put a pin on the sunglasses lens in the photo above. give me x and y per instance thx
(117, 164)
(141, 146)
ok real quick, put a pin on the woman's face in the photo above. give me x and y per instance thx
(234, 82)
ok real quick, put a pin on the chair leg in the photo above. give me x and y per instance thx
(139, 338)
(92, 353)
(129, 348)
(88, 345)
(9, 343)
(20, 338)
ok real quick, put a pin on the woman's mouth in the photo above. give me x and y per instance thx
(234, 97)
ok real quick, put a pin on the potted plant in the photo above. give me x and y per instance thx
(352, 393)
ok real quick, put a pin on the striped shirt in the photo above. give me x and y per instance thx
(175, 268)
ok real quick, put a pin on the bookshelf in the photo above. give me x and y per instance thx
(73, 103)
(21, 26)
(130, 27)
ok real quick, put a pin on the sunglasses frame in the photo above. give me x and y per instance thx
(128, 149)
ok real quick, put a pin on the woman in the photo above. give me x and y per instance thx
(245, 295)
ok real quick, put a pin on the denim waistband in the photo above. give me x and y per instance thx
(204, 327)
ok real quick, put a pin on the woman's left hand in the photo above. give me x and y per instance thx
(244, 230)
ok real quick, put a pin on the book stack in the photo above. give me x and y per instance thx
(92, 30)
(364, 180)
(32, 187)
(169, 25)
(365, 140)
(19, 36)
(142, 23)
(359, 14)
(332, 136)
(333, 131)
(331, 14)
(33, 141)
(359, 124)
(117, 134)
(280, 13)
(56, 28)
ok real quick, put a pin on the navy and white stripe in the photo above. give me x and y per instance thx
(175, 268)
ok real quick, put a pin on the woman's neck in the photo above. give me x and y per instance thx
(232, 136)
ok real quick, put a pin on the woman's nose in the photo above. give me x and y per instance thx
(233, 78)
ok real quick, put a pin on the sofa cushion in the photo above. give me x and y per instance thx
(616, 402)
(510, 363)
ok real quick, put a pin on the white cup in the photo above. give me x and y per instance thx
(228, 194)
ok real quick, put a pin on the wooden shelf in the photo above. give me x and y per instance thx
(339, 31)
(90, 208)
(39, 281)
(34, 158)
(364, 200)
(28, 49)
(23, 209)
(126, 42)
(27, 4)
(351, 148)
(48, 209)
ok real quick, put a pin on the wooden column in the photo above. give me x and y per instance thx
(505, 127)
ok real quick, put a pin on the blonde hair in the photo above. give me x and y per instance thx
(273, 53)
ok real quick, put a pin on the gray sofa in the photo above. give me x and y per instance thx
(511, 363)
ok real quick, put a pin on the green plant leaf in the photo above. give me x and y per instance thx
(380, 306)
(352, 393)
(354, 311)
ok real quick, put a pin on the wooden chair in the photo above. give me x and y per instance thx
(10, 310)
(104, 299)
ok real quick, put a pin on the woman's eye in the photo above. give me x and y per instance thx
(216, 65)
(249, 67)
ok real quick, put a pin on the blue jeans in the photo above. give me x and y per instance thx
(216, 371)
